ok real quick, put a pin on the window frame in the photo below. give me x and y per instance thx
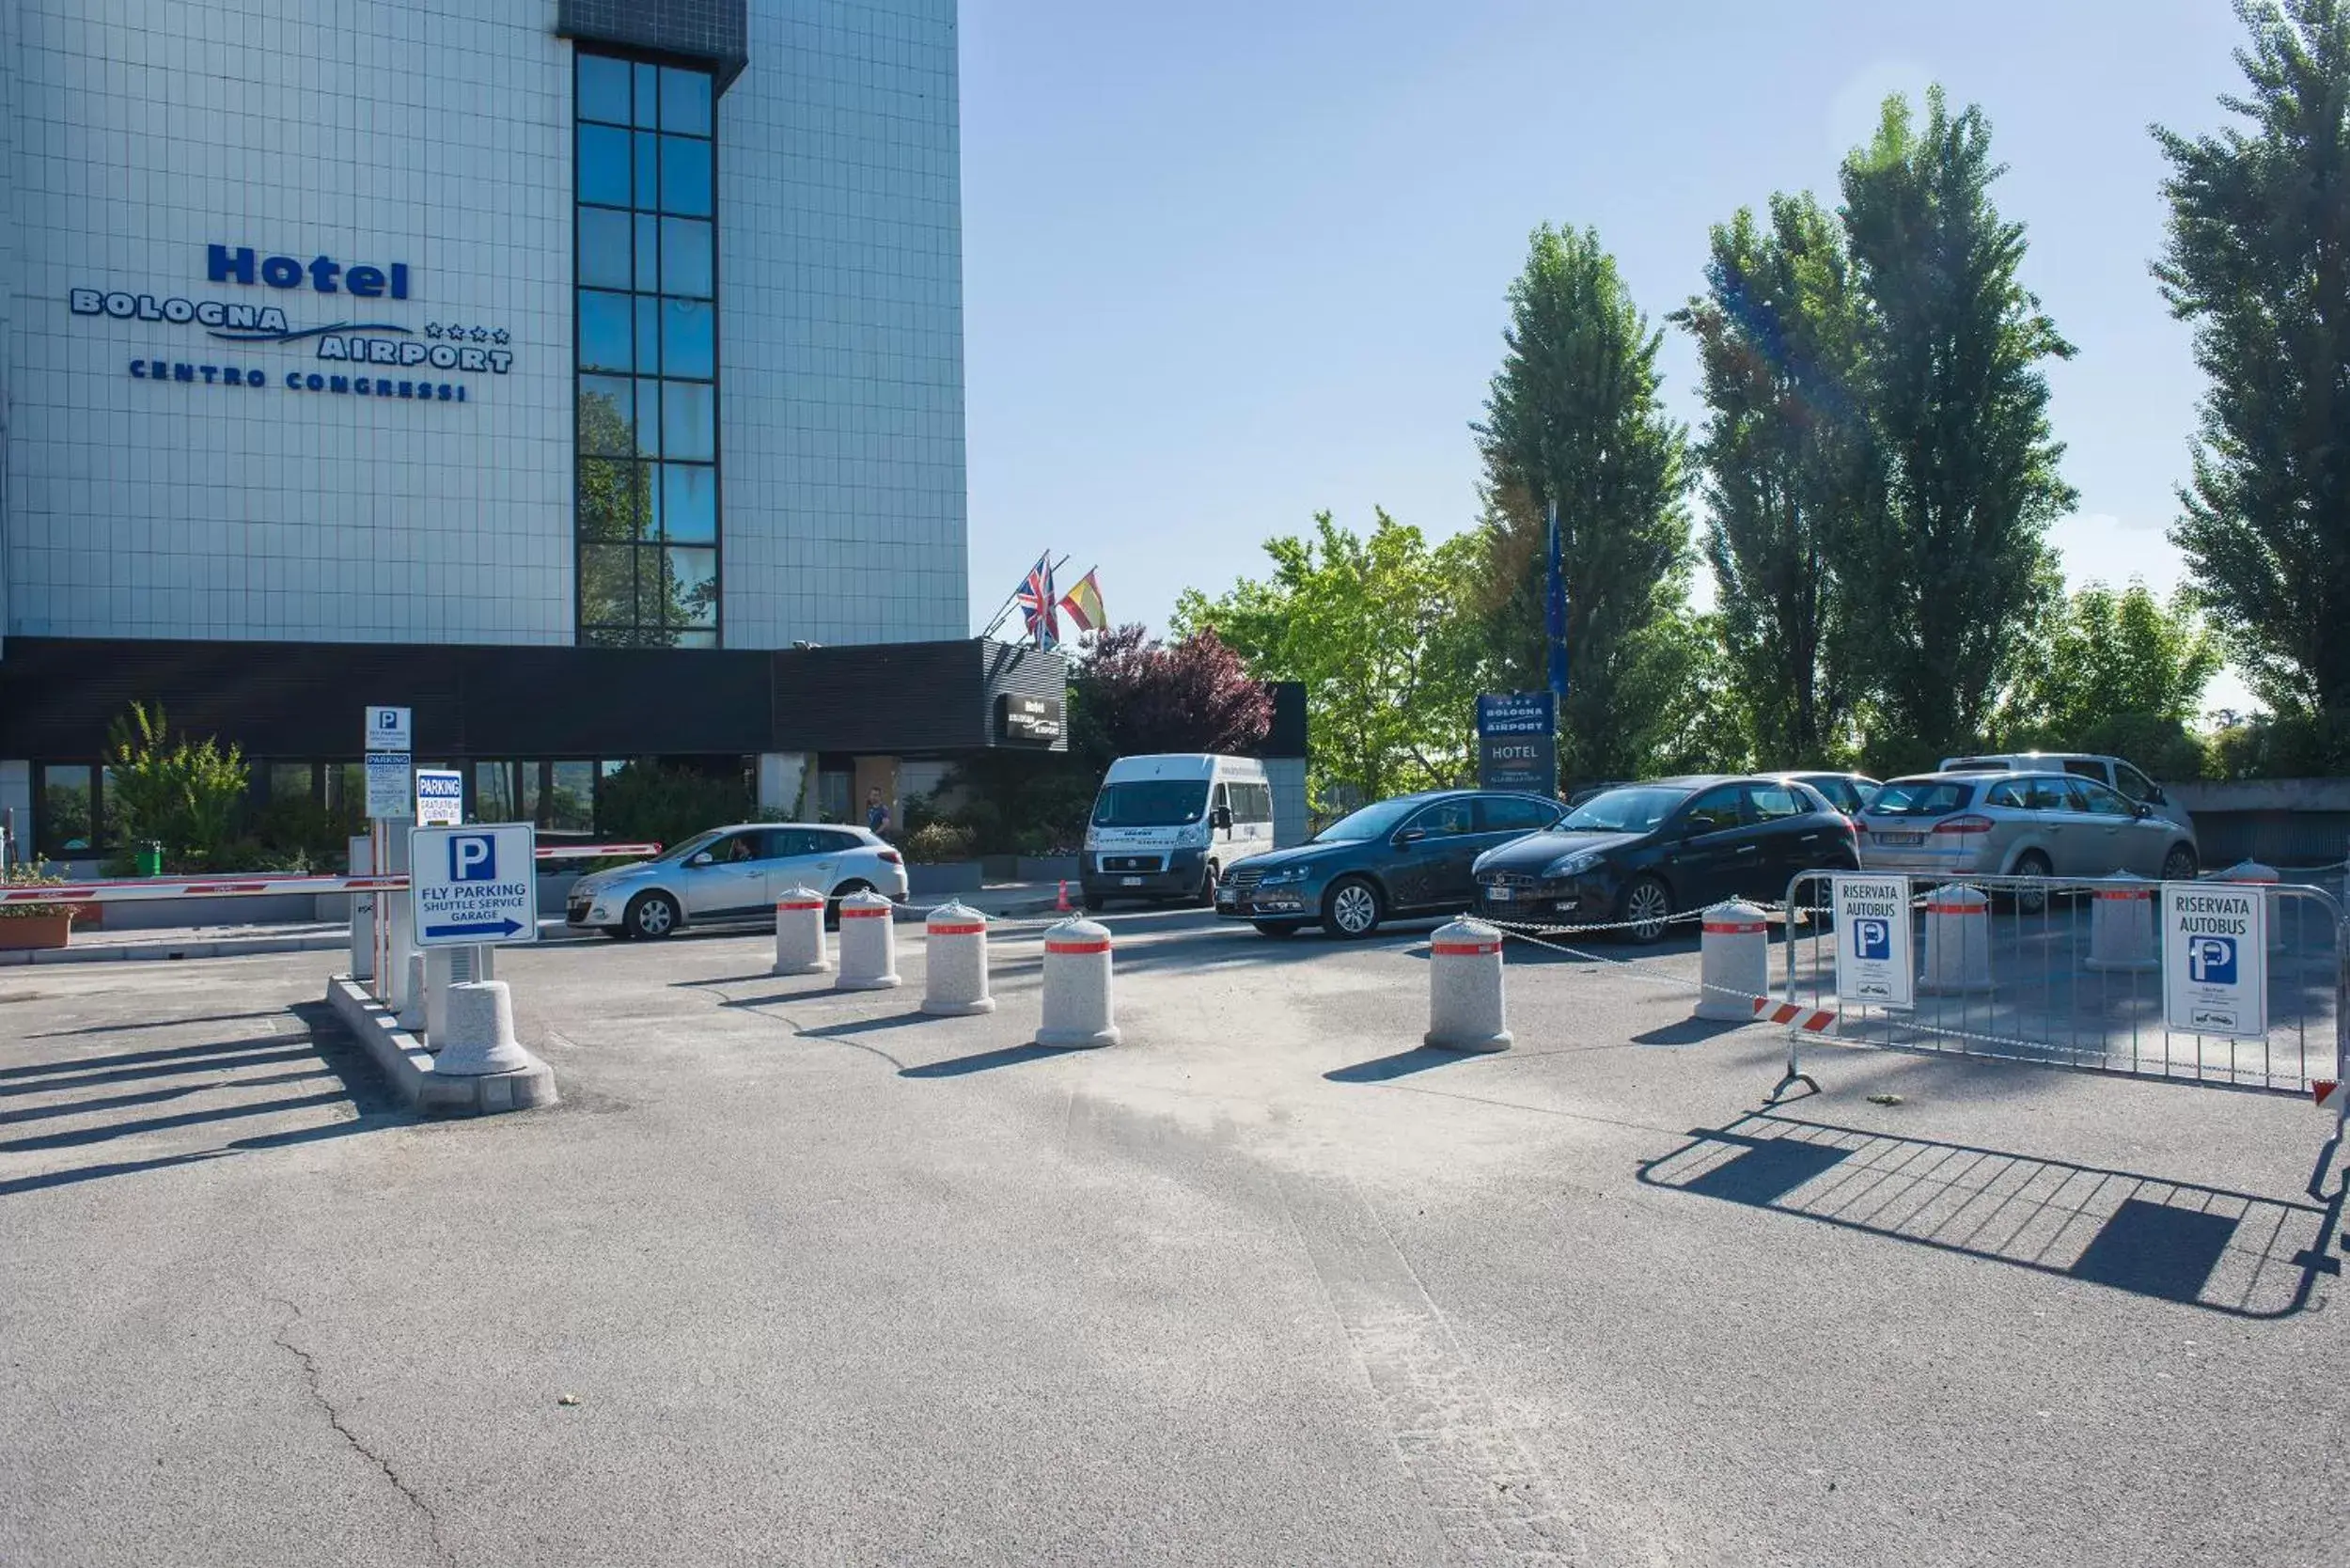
(591, 625)
(1736, 795)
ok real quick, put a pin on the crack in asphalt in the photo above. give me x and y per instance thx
(335, 1419)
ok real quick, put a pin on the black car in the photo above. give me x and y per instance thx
(1406, 856)
(1639, 855)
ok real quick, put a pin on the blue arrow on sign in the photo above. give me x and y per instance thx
(501, 927)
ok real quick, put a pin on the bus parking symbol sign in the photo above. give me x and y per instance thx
(2211, 960)
(1873, 938)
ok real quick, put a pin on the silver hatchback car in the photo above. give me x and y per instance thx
(2020, 824)
(734, 873)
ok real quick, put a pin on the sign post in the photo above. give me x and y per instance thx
(1873, 952)
(2214, 959)
(1517, 741)
(385, 745)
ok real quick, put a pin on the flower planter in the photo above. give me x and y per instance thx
(19, 932)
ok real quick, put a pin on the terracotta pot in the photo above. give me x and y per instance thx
(20, 932)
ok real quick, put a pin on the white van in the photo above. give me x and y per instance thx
(1165, 826)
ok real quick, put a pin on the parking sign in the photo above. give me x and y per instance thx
(1873, 965)
(440, 797)
(474, 885)
(2215, 973)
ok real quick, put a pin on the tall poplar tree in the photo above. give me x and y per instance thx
(1947, 568)
(1574, 415)
(1787, 467)
(2259, 260)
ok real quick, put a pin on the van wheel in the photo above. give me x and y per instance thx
(1205, 897)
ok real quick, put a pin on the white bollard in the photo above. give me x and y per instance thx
(1464, 1004)
(954, 962)
(400, 943)
(2122, 925)
(2258, 875)
(363, 936)
(1077, 1007)
(868, 944)
(800, 933)
(411, 1003)
(1958, 941)
(480, 1032)
(1733, 962)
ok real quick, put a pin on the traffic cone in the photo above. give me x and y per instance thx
(1061, 907)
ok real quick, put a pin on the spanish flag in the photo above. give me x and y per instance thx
(1084, 603)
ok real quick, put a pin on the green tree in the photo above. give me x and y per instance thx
(2259, 260)
(183, 794)
(1574, 417)
(2118, 672)
(1377, 630)
(1945, 570)
(1786, 460)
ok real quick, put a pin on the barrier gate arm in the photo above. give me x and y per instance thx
(261, 884)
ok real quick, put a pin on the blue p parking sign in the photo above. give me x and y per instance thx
(473, 858)
(1872, 938)
(474, 885)
(2214, 945)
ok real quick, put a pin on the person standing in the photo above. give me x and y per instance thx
(876, 812)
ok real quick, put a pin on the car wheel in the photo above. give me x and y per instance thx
(1351, 909)
(2180, 864)
(1278, 927)
(846, 891)
(1205, 897)
(1646, 910)
(2031, 900)
(653, 916)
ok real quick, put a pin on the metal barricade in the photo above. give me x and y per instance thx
(2018, 983)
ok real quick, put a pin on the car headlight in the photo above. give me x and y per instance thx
(1571, 865)
(1286, 873)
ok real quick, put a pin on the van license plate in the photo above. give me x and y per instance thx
(1499, 895)
(1130, 882)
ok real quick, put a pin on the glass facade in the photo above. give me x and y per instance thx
(647, 355)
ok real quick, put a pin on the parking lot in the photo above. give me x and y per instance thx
(801, 1276)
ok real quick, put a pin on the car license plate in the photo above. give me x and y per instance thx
(1902, 839)
(1130, 882)
(1499, 895)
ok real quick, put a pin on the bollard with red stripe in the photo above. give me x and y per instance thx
(1733, 962)
(1077, 1007)
(2122, 925)
(954, 962)
(868, 944)
(2255, 874)
(800, 933)
(1958, 941)
(1465, 1001)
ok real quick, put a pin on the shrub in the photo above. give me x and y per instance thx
(937, 842)
(30, 876)
(646, 803)
(183, 794)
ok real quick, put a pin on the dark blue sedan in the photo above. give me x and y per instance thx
(1403, 857)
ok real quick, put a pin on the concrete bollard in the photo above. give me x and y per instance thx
(800, 933)
(2122, 925)
(1077, 1008)
(2258, 875)
(954, 962)
(1733, 962)
(1464, 1004)
(868, 944)
(411, 1011)
(440, 973)
(480, 1032)
(363, 936)
(1958, 941)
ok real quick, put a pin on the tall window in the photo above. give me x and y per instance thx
(647, 336)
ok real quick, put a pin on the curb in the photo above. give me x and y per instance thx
(225, 947)
(408, 1065)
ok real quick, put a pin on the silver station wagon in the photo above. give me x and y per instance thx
(1969, 823)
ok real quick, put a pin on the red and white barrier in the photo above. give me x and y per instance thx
(1799, 1020)
(261, 884)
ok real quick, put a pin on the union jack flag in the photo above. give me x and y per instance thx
(1039, 604)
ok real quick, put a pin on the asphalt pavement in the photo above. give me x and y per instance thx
(798, 1275)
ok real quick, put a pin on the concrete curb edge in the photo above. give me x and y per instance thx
(408, 1066)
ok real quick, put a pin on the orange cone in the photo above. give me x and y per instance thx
(1062, 908)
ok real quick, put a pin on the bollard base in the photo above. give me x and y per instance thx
(1078, 1040)
(867, 982)
(959, 1009)
(1479, 1044)
(1727, 1010)
(819, 967)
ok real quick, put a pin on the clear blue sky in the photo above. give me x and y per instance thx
(1227, 264)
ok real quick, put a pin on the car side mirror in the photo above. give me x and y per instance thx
(700, 860)
(2143, 810)
(1223, 821)
(2156, 797)
(1409, 835)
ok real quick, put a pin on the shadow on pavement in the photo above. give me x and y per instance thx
(2228, 1252)
(1689, 1031)
(1402, 1064)
(1008, 1056)
(356, 1085)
